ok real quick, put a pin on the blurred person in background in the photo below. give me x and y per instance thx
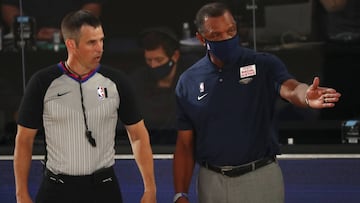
(155, 81)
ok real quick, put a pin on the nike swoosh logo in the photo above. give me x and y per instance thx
(62, 94)
(201, 97)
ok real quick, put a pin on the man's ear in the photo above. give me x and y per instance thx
(200, 38)
(70, 43)
(175, 57)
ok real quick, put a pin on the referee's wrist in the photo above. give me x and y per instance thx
(180, 194)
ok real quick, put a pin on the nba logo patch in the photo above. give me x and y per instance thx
(102, 92)
(201, 87)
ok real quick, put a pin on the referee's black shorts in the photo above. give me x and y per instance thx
(101, 186)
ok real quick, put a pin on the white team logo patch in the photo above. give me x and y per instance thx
(102, 92)
(246, 73)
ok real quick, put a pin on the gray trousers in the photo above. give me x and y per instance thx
(264, 185)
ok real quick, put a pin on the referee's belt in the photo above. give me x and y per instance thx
(99, 176)
(234, 171)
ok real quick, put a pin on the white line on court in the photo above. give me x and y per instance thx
(170, 156)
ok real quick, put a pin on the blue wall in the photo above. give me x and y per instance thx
(306, 180)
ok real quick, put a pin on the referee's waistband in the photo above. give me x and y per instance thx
(101, 175)
(234, 171)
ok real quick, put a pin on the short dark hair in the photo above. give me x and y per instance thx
(73, 21)
(214, 9)
(155, 37)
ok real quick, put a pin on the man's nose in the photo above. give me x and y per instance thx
(152, 63)
(100, 47)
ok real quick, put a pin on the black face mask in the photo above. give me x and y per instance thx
(224, 50)
(162, 71)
